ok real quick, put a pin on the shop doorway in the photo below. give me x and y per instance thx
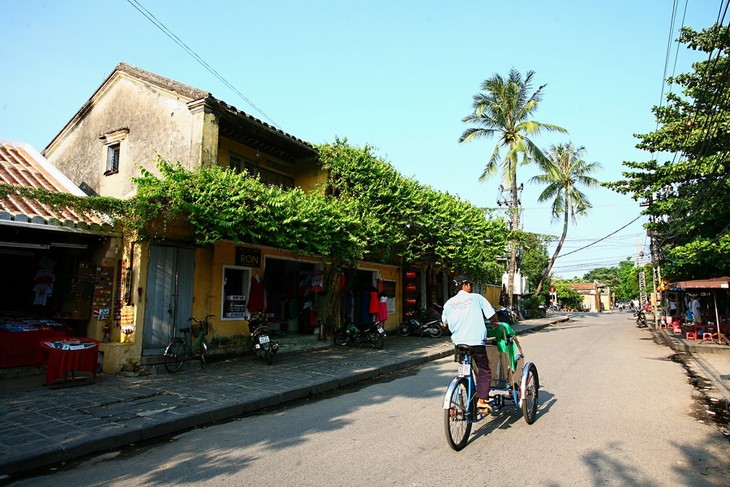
(291, 296)
(359, 286)
(169, 296)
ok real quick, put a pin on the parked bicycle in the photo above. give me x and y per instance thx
(180, 349)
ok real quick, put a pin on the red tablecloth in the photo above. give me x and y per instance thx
(62, 362)
(19, 348)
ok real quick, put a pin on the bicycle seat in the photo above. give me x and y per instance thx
(464, 348)
(185, 330)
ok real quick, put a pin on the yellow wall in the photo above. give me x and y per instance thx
(306, 174)
(208, 290)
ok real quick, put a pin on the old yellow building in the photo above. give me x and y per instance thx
(133, 118)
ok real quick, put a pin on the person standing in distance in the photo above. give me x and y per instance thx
(464, 316)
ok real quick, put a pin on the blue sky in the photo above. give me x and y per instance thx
(397, 75)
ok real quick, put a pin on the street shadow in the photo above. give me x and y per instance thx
(693, 464)
(510, 414)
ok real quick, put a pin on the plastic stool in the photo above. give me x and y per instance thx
(690, 335)
(709, 336)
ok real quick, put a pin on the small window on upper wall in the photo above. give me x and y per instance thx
(112, 159)
(113, 144)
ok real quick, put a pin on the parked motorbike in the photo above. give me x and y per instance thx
(431, 327)
(640, 318)
(371, 334)
(263, 346)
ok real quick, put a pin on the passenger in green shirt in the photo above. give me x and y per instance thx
(506, 341)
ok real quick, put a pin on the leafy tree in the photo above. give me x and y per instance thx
(567, 296)
(687, 194)
(414, 223)
(565, 170)
(629, 280)
(504, 108)
(534, 257)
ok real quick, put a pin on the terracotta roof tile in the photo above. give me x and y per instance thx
(21, 165)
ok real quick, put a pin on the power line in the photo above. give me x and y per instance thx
(600, 239)
(194, 55)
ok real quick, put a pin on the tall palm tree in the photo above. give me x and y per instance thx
(504, 108)
(565, 169)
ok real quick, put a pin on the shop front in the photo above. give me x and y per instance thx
(287, 290)
(51, 284)
(711, 297)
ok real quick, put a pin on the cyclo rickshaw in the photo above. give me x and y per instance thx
(513, 379)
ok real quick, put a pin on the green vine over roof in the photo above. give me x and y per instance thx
(366, 211)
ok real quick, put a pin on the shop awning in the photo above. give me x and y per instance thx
(713, 283)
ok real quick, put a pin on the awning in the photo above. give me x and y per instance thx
(714, 283)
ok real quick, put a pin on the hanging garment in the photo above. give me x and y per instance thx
(374, 302)
(383, 309)
(257, 299)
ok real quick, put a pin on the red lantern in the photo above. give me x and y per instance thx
(411, 275)
(411, 301)
(411, 288)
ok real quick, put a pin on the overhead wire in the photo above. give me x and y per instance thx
(157, 23)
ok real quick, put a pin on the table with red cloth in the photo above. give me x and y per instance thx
(70, 355)
(18, 348)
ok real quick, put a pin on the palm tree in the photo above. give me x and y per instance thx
(564, 170)
(504, 108)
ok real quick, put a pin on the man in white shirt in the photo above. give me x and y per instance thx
(464, 315)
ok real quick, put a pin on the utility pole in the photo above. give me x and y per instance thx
(642, 274)
(513, 204)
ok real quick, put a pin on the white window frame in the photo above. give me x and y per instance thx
(244, 291)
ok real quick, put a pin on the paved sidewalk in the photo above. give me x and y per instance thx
(42, 426)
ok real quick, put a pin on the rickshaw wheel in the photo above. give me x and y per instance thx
(531, 387)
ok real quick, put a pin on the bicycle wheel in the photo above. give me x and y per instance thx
(376, 340)
(175, 355)
(531, 382)
(203, 353)
(456, 418)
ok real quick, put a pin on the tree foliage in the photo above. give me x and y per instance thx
(534, 256)
(564, 171)
(413, 223)
(221, 204)
(687, 194)
(504, 108)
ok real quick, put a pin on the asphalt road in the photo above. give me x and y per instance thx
(614, 410)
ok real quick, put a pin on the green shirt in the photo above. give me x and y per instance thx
(503, 335)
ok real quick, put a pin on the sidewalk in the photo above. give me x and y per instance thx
(710, 360)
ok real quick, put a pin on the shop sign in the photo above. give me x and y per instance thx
(389, 289)
(248, 257)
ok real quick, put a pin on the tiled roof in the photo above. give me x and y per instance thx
(22, 165)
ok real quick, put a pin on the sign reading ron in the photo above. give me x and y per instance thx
(248, 257)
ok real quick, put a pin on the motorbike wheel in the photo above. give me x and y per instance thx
(404, 329)
(269, 357)
(376, 340)
(341, 337)
(435, 330)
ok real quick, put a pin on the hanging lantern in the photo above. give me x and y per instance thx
(411, 288)
(411, 275)
(411, 301)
